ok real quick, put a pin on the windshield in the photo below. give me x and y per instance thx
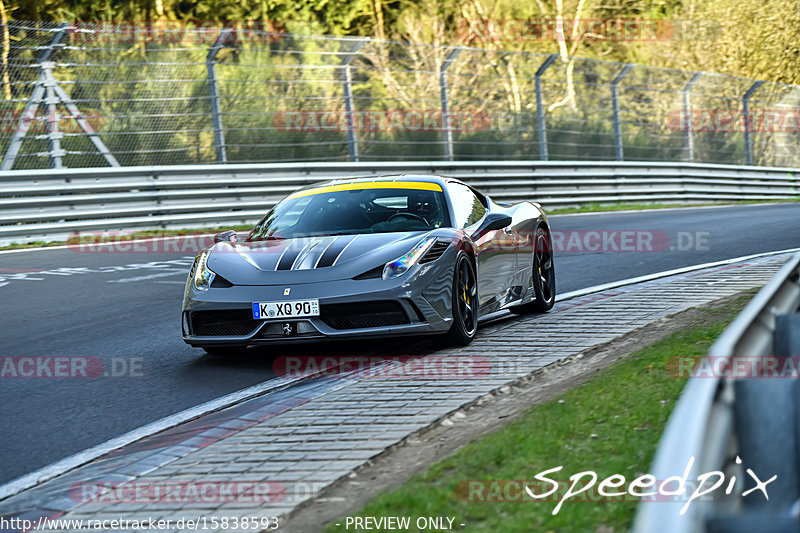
(356, 208)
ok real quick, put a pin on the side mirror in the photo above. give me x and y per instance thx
(226, 236)
(491, 223)
(496, 221)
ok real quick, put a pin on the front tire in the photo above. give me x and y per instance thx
(465, 303)
(544, 275)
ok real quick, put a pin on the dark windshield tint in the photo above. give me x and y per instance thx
(341, 212)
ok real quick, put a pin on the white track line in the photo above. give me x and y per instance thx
(499, 315)
(73, 461)
(657, 275)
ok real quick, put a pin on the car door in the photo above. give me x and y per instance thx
(496, 256)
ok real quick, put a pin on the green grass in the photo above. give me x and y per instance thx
(90, 237)
(610, 425)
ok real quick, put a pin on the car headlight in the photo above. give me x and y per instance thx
(399, 266)
(203, 276)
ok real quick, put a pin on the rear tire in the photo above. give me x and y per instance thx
(544, 275)
(465, 304)
(224, 351)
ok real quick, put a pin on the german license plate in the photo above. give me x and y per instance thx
(288, 309)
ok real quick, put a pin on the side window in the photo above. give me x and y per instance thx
(466, 206)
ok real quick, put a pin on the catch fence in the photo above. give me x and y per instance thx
(83, 95)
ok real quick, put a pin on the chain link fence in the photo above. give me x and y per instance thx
(88, 95)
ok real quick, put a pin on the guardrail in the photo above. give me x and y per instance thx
(52, 204)
(719, 419)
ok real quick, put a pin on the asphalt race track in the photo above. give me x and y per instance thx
(126, 311)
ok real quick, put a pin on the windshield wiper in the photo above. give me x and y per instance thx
(332, 233)
(267, 238)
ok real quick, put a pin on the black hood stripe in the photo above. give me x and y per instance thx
(288, 256)
(332, 252)
(345, 248)
(319, 257)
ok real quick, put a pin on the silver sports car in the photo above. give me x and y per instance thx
(370, 257)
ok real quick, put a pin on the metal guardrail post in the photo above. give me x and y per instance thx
(748, 122)
(447, 131)
(29, 114)
(620, 156)
(213, 88)
(688, 118)
(540, 118)
(347, 85)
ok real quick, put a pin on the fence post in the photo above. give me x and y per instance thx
(748, 141)
(213, 88)
(447, 131)
(37, 97)
(347, 84)
(687, 117)
(620, 156)
(540, 118)
(54, 151)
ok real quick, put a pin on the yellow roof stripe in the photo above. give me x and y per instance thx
(361, 185)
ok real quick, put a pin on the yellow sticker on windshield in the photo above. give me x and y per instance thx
(363, 185)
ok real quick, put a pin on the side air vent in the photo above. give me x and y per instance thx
(194, 267)
(435, 252)
(234, 322)
(374, 314)
(371, 274)
(220, 282)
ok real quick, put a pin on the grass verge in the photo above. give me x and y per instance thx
(595, 207)
(122, 235)
(610, 425)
